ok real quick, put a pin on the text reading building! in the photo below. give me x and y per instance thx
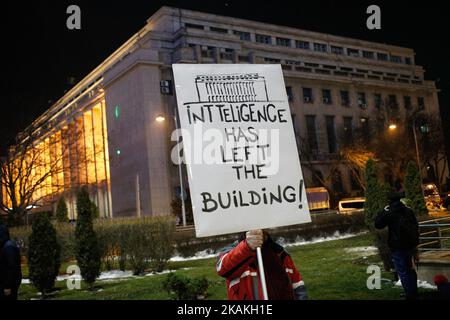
(332, 82)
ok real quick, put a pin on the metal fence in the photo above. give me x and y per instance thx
(435, 235)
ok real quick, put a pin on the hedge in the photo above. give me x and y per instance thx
(138, 244)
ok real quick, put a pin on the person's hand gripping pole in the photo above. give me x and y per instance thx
(255, 240)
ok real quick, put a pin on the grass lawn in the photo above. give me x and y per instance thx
(329, 271)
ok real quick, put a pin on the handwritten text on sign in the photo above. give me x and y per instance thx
(248, 175)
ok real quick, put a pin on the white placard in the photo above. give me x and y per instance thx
(239, 147)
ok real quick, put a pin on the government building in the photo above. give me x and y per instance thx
(124, 109)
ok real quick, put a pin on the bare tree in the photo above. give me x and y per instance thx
(40, 167)
(326, 168)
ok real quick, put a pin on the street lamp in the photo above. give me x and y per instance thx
(393, 127)
(161, 118)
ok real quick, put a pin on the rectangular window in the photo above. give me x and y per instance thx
(368, 54)
(194, 26)
(283, 42)
(392, 100)
(408, 60)
(378, 100)
(307, 95)
(331, 134)
(407, 102)
(348, 130)
(262, 38)
(365, 129)
(421, 103)
(312, 134)
(244, 36)
(226, 54)
(337, 50)
(353, 52)
(289, 93)
(320, 47)
(345, 98)
(326, 96)
(272, 60)
(219, 30)
(361, 98)
(302, 44)
(207, 52)
(382, 56)
(396, 59)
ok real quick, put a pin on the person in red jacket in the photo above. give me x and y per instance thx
(239, 265)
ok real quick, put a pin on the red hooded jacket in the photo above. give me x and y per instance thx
(239, 265)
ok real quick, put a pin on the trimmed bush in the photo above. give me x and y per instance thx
(61, 211)
(376, 196)
(145, 243)
(413, 190)
(181, 287)
(87, 247)
(44, 254)
(161, 243)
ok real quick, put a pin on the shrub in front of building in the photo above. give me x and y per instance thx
(181, 287)
(376, 196)
(87, 249)
(61, 211)
(413, 190)
(43, 254)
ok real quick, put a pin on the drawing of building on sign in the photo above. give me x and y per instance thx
(232, 88)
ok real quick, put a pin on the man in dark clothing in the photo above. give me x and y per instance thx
(403, 240)
(10, 270)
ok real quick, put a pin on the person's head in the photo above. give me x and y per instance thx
(395, 197)
(4, 235)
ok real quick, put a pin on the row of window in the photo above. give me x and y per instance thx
(227, 54)
(306, 45)
(361, 99)
(311, 131)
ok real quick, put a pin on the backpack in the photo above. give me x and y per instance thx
(408, 230)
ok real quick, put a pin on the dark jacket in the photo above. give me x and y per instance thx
(10, 269)
(395, 216)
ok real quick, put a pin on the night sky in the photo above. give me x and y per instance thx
(40, 53)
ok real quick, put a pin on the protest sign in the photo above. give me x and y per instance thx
(240, 148)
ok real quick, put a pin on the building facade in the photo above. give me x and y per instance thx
(332, 82)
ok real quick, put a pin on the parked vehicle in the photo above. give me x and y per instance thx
(432, 198)
(351, 205)
(318, 198)
(446, 201)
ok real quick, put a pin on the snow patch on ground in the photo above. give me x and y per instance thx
(112, 275)
(299, 241)
(362, 251)
(205, 254)
(336, 236)
(420, 284)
